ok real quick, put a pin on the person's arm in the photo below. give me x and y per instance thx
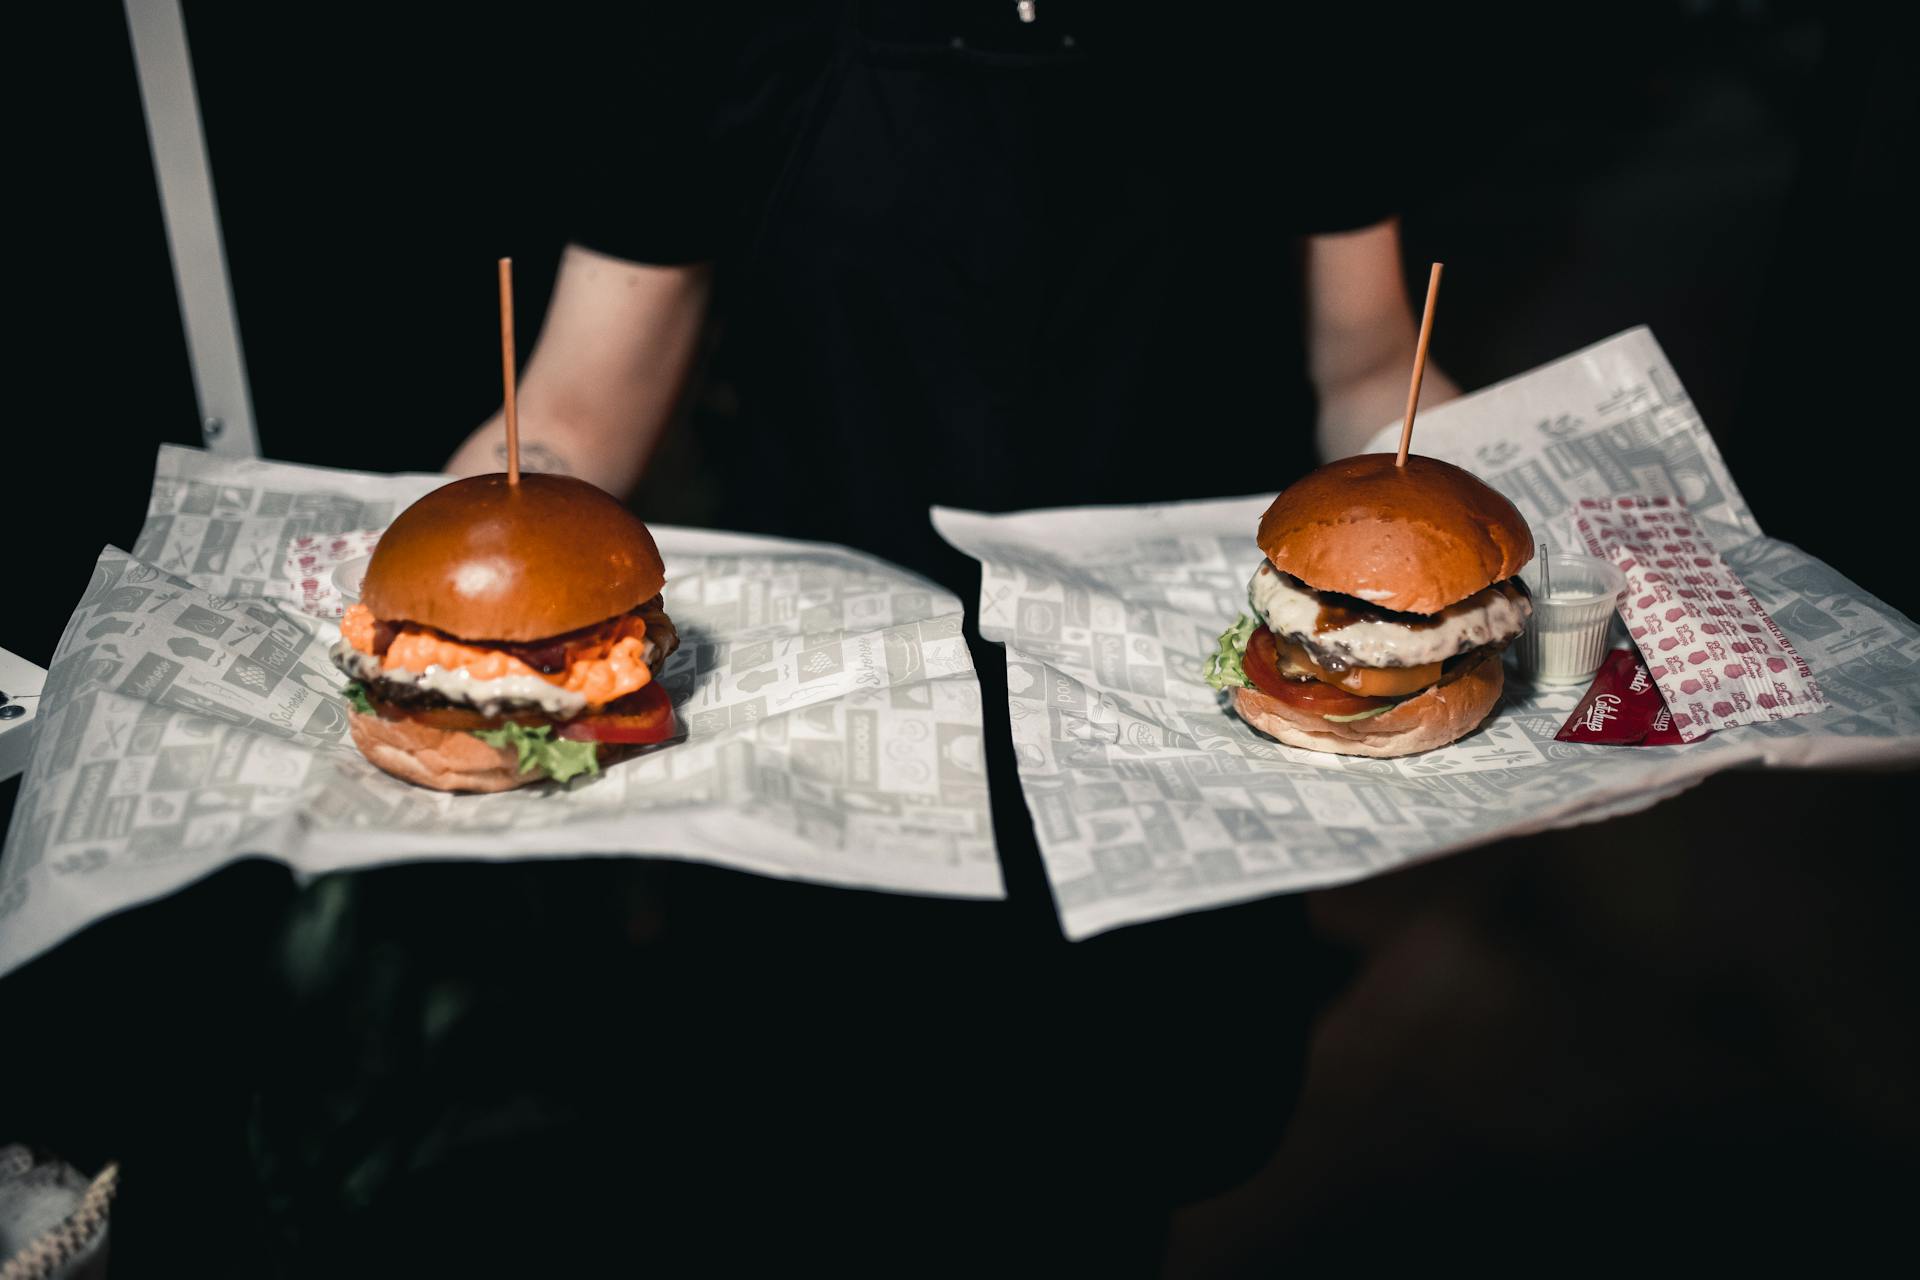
(1361, 331)
(604, 377)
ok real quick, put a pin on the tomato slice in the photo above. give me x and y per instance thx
(1262, 665)
(1368, 682)
(646, 715)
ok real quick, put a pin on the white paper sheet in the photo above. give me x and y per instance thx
(1151, 799)
(189, 719)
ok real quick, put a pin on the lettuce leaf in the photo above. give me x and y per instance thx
(538, 748)
(1224, 668)
(1364, 715)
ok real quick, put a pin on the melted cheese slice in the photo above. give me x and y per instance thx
(1289, 608)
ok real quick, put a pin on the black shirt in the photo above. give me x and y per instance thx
(973, 261)
(984, 263)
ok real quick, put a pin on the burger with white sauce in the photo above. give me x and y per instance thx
(1381, 609)
(506, 633)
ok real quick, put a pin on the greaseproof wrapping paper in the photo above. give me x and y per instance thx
(1718, 658)
(190, 718)
(1151, 799)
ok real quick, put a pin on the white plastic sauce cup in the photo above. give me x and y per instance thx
(349, 576)
(1566, 641)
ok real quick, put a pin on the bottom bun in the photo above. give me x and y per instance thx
(444, 759)
(1446, 711)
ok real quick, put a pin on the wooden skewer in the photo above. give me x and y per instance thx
(506, 369)
(1419, 364)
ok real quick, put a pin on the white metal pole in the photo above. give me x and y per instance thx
(165, 69)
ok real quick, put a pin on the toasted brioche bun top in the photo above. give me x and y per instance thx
(1412, 539)
(485, 560)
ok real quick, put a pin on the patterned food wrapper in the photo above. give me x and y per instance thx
(192, 716)
(1151, 799)
(1718, 658)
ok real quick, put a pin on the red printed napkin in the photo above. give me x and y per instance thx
(315, 566)
(1718, 658)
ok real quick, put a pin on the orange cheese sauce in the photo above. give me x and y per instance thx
(614, 676)
(615, 673)
(416, 651)
(356, 627)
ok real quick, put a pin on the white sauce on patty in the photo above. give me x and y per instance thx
(1291, 608)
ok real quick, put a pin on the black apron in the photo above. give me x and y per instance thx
(1004, 276)
(905, 333)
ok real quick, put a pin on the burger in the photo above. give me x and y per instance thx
(1381, 609)
(508, 632)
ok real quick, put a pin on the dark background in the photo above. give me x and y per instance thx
(1725, 173)
(1697, 1020)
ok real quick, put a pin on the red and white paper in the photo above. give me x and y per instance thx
(1718, 658)
(311, 580)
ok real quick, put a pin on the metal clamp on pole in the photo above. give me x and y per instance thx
(20, 685)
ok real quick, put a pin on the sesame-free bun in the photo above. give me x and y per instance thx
(1413, 539)
(1449, 710)
(444, 759)
(485, 560)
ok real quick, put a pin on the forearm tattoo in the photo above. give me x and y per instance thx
(534, 457)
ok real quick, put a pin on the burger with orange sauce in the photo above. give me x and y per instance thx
(1381, 609)
(506, 633)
